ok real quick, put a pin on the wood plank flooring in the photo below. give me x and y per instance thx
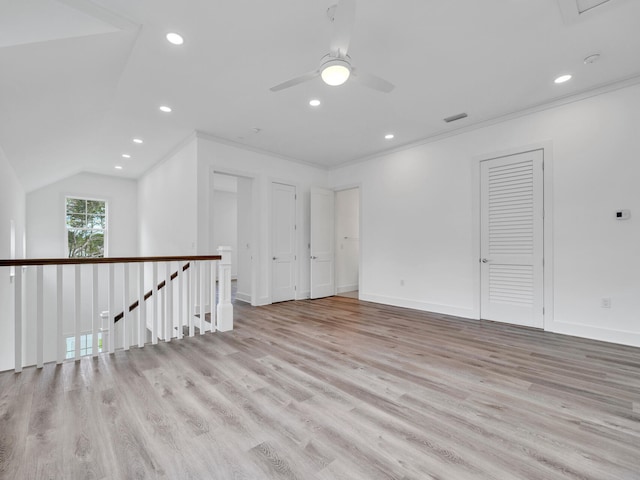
(332, 389)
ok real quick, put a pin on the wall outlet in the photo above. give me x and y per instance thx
(605, 302)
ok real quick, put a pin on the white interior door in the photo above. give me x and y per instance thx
(322, 242)
(512, 261)
(283, 242)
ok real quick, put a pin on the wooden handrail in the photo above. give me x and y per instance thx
(149, 294)
(27, 262)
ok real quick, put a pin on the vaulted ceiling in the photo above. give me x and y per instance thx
(80, 79)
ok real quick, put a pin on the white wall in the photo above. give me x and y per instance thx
(46, 238)
(418, 216)
(347, 228)
(46, 214)
(167, 205)
(12, 208)
(264, 169)
(225, 224)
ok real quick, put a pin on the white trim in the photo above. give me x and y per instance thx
(417, 305)
(261, 151)
(502, 118)
(547, 151)
(347, 288)
(107, 220)
(361, 207)
(595, 333)
(255, 214)
(243, 297)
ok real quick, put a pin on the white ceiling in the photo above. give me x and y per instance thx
(80, 79)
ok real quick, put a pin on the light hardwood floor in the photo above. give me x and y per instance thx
(332, 389)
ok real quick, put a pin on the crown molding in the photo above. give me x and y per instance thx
(540, 107)
(261, 151)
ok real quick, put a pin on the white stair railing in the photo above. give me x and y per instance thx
(58, 303)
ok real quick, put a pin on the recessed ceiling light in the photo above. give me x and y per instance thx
(314, 103)
(389, 136)
(126, 155)
(165, 109)
(562, 79)
(175, 38)
(137, 140)
(118, 167)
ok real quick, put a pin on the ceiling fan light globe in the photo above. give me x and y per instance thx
(335, 72)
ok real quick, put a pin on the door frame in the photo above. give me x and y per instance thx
(350, 186)
(255, 215)
(298, 220)
(547, 156)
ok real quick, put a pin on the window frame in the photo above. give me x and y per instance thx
(106, 222)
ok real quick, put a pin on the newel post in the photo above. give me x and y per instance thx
(225, 308)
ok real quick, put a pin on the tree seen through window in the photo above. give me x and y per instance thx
(86, 227)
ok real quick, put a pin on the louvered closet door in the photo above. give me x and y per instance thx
(512, 239)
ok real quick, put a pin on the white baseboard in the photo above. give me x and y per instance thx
(303, 295)
(417, 305)
(595, 333)
(347, 288)
(243, 297)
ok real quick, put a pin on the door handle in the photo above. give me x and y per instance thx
(313, 258)
(275, 258)
(485, 260)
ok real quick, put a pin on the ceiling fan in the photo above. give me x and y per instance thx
(335, 67)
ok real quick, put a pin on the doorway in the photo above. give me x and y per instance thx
(347, 242)
(512, 239)
(232, 213)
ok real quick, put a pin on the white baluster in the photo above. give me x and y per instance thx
(95, 309)
(225, 308)
(202, 285)
(142, 307)
(154, 298)
(112, 313)
(214, 324)
(190, 296)
(39, 316)
(61, 345)
(180, 300)
(169, 305)
(17, 312)
(78, 308)
(126, 327)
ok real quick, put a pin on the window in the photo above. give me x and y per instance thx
(86, 345)
(86, 227)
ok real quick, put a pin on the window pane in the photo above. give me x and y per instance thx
(96, 207)
(71, 347)
(85, 243)
(76, 205)
(76, 220)
(96, 222)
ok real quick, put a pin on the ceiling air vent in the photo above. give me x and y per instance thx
(573, 10)
(453, 118)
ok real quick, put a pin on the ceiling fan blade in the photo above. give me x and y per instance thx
(372, 81)
(344, 18)
(296, 81)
